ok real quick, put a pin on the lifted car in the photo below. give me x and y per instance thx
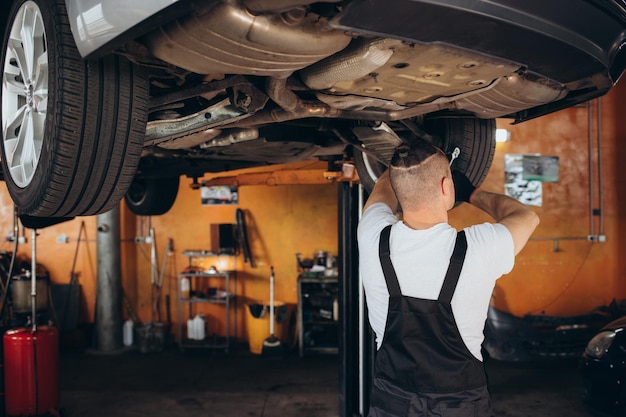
(103, 97)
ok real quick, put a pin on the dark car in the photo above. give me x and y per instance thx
(103, 96)
(603, 368)
(541, 337)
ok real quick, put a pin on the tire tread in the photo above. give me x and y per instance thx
(97, 113)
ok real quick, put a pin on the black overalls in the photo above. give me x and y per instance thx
(423, 367)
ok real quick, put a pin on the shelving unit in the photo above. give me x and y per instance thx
(318, 325)
(208, 287)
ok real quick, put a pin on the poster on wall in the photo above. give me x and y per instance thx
(219, 195)
(527, 191)
(540, 168)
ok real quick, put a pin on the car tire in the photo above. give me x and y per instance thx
(475, 139)
(73, 129)
(151, 197)
(368, 169)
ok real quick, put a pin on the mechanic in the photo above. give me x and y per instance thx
(428, 287)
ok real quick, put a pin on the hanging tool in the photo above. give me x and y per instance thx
(129, 308)
(154, 272)
(272, 345)
(156, 306)
(242, 237)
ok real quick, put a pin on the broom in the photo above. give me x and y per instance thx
(272, 345)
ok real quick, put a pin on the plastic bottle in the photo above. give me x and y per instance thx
(199, 327)
(191, 331)
(128, 332)
(185, 287)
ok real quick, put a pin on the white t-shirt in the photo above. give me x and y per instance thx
(421, 259)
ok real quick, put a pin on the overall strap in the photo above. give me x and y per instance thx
(454, 269)
(385, 260)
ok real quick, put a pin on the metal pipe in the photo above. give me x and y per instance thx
(560, 238)
(600, 174)
(109, 286)
(361, 321)
(153, 257)
(33, 278)
(293, 108)
(590, 165)
(557, 240)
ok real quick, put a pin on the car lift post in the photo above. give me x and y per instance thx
(355, 340)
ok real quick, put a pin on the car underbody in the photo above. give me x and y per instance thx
(278, 86)
(211, 86)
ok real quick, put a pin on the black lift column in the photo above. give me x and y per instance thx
(355, 355)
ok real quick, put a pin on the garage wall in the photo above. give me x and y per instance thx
(559, 271)
(281, 221)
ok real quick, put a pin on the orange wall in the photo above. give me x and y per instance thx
(580, 275)
(283, 220)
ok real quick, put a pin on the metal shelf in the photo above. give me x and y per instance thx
(210, 300)
(227, 298)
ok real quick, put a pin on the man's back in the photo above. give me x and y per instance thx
(421, 257)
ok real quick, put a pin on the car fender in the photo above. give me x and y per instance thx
(99, 26)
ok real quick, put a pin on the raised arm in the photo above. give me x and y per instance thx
(383, 193)
(520, 220)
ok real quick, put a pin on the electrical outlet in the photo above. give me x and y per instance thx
(62, 238)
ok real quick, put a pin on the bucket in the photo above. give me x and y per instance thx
(21, 293)
(150, 337)
(258, 324)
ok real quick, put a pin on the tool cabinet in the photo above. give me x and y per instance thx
(318, 321)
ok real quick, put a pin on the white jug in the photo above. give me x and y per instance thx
(191, 331)
(199, 327)
(128, 332)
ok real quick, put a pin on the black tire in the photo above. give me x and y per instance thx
(475, 138)
(368, 169)
(151, 197)
(90, 133)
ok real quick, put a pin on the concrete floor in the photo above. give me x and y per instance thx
(240, 384)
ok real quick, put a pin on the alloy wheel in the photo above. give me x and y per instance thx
(25, 94)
